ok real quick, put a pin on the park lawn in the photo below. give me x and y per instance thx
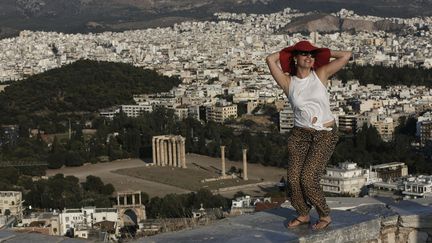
(189, 178)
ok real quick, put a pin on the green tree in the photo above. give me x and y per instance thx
(93, 184)
(73, 159)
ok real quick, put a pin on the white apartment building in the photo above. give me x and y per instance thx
(348, 123)
(245, 97)
(368, 105)
(194, 112)
(286, 119)
(347, 177)
(363, 119)
(109, 112)
(390, 171)
(242, 202)
(417, 187)
(3, 86)
(84, 218)
(11, 202)
(136, 110)
(385, 128)
(251, 105)
(181, 112)
(425, 132)
(220, 113)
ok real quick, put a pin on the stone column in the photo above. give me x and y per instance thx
(170, 157)
(183, 153)
(223, 160)
(125, 199)
(118, 199)
(245, 175)
(157, 150)
(160, 153)
(174, 153)
(165, 152)
(154, 150)
(133, 199)
(179, 152)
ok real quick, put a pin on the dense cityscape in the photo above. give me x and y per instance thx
(224, 80)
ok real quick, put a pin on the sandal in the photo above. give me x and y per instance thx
(327, 223)
(296, 225)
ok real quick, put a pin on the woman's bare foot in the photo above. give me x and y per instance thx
(322, 223)
(300, 220)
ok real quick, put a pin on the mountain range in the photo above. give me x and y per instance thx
(83, 16)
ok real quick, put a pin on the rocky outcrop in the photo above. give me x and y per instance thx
(311, 23)
(329, 23)
(358, 25)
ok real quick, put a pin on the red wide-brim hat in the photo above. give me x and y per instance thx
(304, 46)
(286, 56)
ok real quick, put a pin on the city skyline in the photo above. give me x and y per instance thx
(220, 95)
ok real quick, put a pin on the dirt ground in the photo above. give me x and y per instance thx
(107, 172)
(192, 177)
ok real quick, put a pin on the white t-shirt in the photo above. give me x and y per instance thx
(309, 98)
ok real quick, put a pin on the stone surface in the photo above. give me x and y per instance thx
(270, 226)
(416, 236)
(389, 238)
(403, 233)
(363, 220)
(388, 216)
(413, 214)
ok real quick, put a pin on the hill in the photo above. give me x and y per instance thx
(73, 16)
(329, 23)
(84, 86)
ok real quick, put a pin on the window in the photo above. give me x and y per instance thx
(67, 219)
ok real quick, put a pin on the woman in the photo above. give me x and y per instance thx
(302, 71)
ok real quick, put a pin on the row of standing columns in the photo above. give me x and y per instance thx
(122, 198)
(169, 150)
(245, 171)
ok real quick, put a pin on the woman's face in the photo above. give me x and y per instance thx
(305, 59)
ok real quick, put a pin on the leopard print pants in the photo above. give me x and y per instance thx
(309, 151)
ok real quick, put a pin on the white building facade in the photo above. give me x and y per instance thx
(84, 218)
(346, 178)
(11, 203)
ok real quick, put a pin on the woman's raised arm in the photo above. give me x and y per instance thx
(281, 78)
(341, 58)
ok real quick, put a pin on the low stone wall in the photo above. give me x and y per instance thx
(400, 222)
(219, 178)
(225, 189)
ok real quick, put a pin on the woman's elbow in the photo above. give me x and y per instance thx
(348, 55)
(268, 59)
(272, 57)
